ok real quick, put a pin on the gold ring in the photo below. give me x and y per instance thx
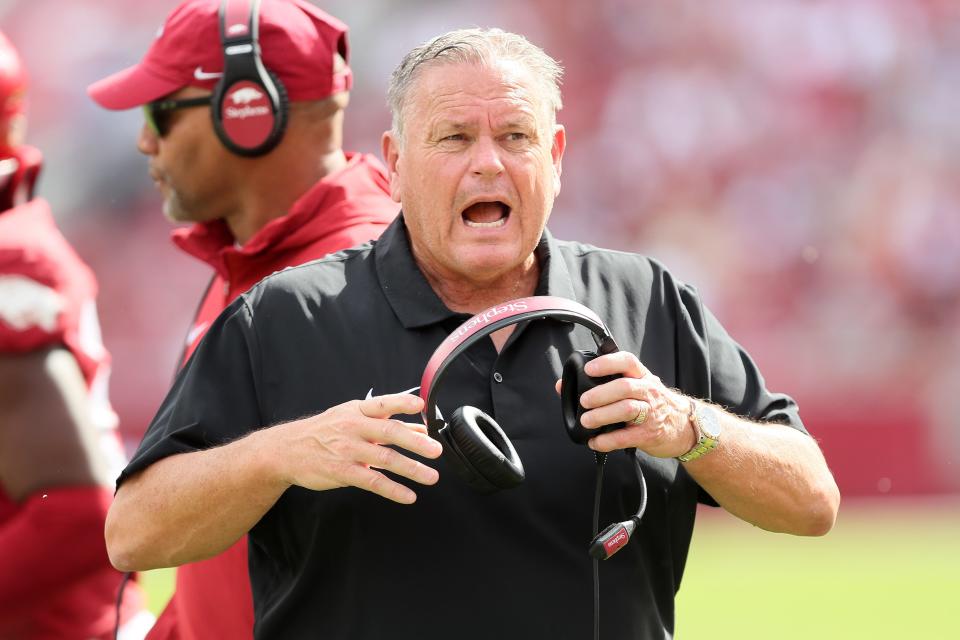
(640, 417)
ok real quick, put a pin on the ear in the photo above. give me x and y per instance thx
(390, 148)
(556, 152)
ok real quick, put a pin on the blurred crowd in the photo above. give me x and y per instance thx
(797, 160)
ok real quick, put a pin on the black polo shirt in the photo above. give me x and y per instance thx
(349, 564)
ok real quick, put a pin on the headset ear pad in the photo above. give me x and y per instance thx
(282, 110)
(247, 119)
(576, 382)
(485, 456)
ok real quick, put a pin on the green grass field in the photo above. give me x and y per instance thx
(886, 571)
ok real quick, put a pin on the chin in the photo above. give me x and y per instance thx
(173, 212)
(176, 217)
(488, 262)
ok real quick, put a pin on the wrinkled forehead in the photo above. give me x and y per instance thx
(443, 87)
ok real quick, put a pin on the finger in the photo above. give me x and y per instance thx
(400, 434)
(559, 385)
(622, 363)
(621, 411)
(362, 477)
(619, 389)
(640, 436)
(390, 405)
(606, 442)
(419, 427)
(416, 426)
(382, 457)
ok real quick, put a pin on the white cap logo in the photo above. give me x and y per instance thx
(245, 95)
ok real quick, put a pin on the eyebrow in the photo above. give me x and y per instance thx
(456, 125)
(521, 123)
(462, 125)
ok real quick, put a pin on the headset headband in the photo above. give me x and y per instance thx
(249, 103)
(241, 16)
(477, 448)
(495, 318)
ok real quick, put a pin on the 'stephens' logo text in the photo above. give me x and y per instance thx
(242, 108)
(485, 317)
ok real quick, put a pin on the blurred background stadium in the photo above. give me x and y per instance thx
(797, 160)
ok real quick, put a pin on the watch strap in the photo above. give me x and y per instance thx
(704, 444)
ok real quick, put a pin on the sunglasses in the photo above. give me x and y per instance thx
(159, 113)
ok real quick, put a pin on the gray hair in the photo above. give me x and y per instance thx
(481, 46)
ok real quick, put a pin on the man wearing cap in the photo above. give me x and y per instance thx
(289, 195)
(59, 449)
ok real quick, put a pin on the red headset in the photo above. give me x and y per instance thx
(476, 447)
(249, 106)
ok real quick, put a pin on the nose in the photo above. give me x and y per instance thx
(485, 159)
(147, 141)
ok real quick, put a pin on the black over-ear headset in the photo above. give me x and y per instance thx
(475, 446)
(249, 106)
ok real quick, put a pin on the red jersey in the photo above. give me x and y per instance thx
(47, 298)
(347, 208)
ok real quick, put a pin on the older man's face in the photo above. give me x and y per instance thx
(478, 170)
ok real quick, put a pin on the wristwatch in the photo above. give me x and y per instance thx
(706, 426)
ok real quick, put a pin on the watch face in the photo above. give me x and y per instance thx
(709, 422)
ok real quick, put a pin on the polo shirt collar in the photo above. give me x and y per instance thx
(415, 302)
(554, 276)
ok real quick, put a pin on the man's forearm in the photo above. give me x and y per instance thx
(771, 476)
(194, 505)
(191, 506)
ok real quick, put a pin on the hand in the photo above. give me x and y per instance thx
(665, 432)
(345, 445)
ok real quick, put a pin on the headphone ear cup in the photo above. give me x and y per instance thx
(262, 108)
(483, 450)
(576, 382)
(282, 110)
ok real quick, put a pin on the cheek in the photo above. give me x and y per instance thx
(410, 180)
(531, 182)
(437, 182)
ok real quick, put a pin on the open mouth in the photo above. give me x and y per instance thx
(486, 215)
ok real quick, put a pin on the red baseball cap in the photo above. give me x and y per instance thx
(299, 43)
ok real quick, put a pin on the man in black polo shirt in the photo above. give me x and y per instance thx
(474, 154)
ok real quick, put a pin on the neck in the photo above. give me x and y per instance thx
(475, 296)
(271, 185)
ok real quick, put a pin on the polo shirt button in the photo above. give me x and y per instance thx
(497, 376)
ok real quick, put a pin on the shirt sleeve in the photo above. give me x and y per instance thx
(215, 398)
(47, 297)
(719, 370)
(31, 313)
(714, 367)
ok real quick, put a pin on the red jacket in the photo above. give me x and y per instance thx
(56, 580)
(213, 597)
